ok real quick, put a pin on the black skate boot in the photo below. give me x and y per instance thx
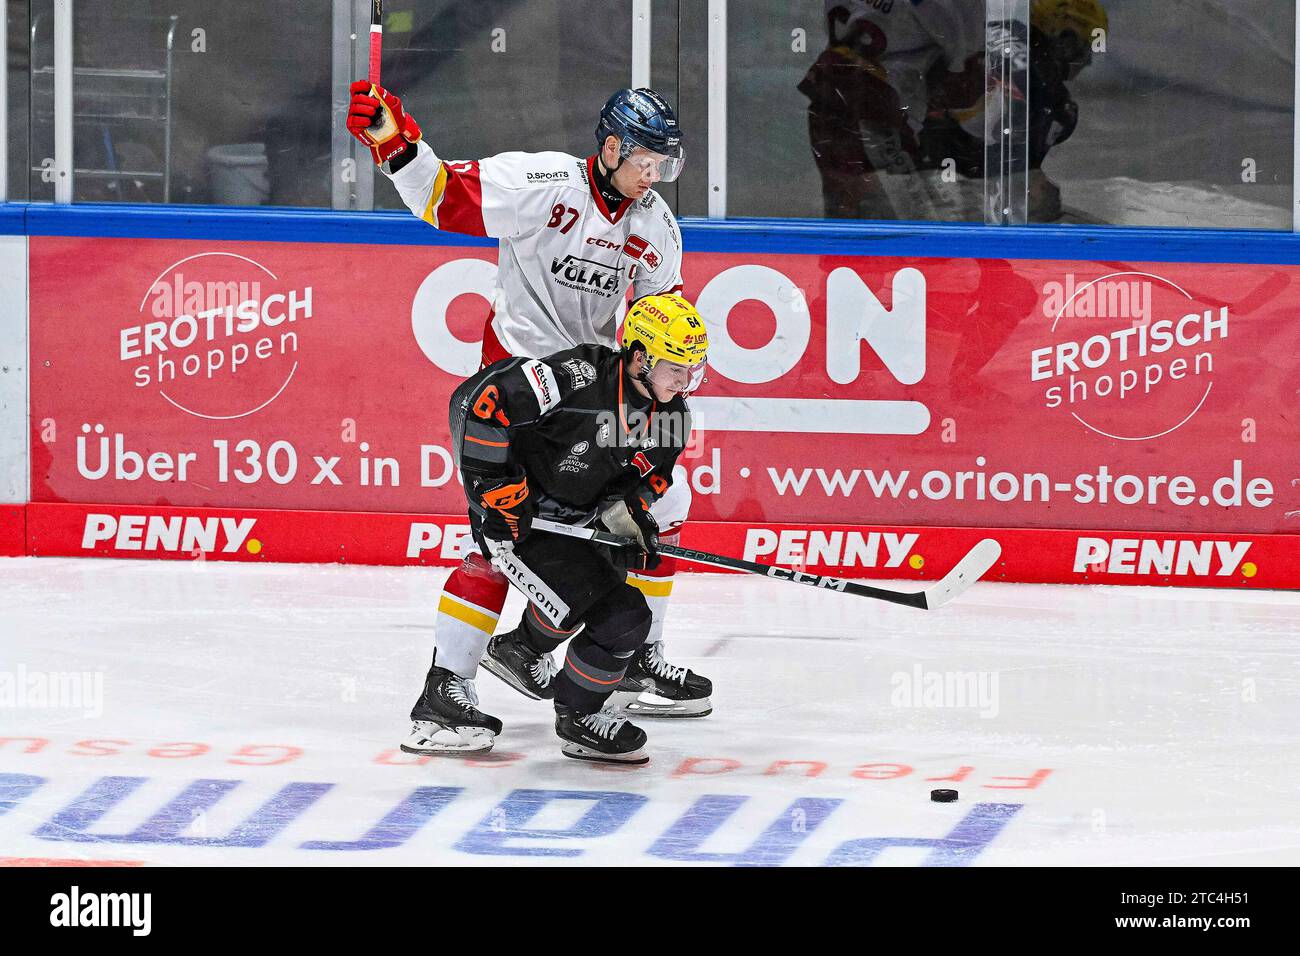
(511, 658)
(603, 736)
(683, 692)
(446, 718)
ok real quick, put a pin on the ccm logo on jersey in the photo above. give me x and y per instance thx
(157, 533)
(542, 379)
(845, 549)
(1157, 556)
(643, 251)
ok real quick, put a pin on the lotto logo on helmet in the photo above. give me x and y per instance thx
(653, 311)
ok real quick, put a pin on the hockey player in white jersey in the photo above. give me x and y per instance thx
(576, 235)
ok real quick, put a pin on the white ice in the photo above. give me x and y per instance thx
(250, 714)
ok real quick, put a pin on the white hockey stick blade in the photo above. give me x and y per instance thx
(968, 570)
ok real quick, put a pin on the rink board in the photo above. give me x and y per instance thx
(955, 380)
(899, 553)
(13, 531)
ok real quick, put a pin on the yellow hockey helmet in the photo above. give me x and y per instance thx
(668, 329)
(1081, 17)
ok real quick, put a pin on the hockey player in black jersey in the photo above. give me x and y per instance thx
(587, 435)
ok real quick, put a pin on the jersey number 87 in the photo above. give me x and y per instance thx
(557, 214)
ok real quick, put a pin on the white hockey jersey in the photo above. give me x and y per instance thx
(907, 38)
(566, 260)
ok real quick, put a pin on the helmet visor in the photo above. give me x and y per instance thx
(659, 167)
(675, 377)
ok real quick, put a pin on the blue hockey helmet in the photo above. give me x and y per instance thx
(643, 118)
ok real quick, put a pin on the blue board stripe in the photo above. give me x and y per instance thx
(752, 236)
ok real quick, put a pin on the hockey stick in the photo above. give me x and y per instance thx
(968, 570)
(376, 40)
(380, 126)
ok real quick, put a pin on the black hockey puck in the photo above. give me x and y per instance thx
(943, 796)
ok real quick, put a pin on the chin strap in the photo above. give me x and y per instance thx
(644, 375)
(605, 181)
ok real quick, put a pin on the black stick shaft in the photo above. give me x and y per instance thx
(908, 599)
(798, 577)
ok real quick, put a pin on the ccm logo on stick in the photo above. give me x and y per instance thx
(158, 533)
(1157, 556)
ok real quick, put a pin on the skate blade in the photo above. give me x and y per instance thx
(447, 742)
(579, 752)
(504, 675)
(648, 704)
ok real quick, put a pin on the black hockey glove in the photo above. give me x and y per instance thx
(508, 510)
(631, 518)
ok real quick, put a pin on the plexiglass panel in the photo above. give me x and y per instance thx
(1163, 114)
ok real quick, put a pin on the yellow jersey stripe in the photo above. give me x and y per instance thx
(656, 587)
(468, 615)
(435, 197)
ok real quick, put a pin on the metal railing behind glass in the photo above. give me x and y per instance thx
(122, 112)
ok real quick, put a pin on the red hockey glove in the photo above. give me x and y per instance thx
(377, 119)
(510, 509)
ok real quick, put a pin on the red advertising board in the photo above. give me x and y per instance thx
(915, 553)
(1156, 401)
(13, 531)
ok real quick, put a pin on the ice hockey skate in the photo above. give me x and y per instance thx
(653, 687)
(446, 720)
(605, 736)
(511, 659)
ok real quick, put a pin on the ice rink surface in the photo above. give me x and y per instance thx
(249, 714)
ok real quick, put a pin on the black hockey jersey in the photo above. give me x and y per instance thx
(574, 424)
